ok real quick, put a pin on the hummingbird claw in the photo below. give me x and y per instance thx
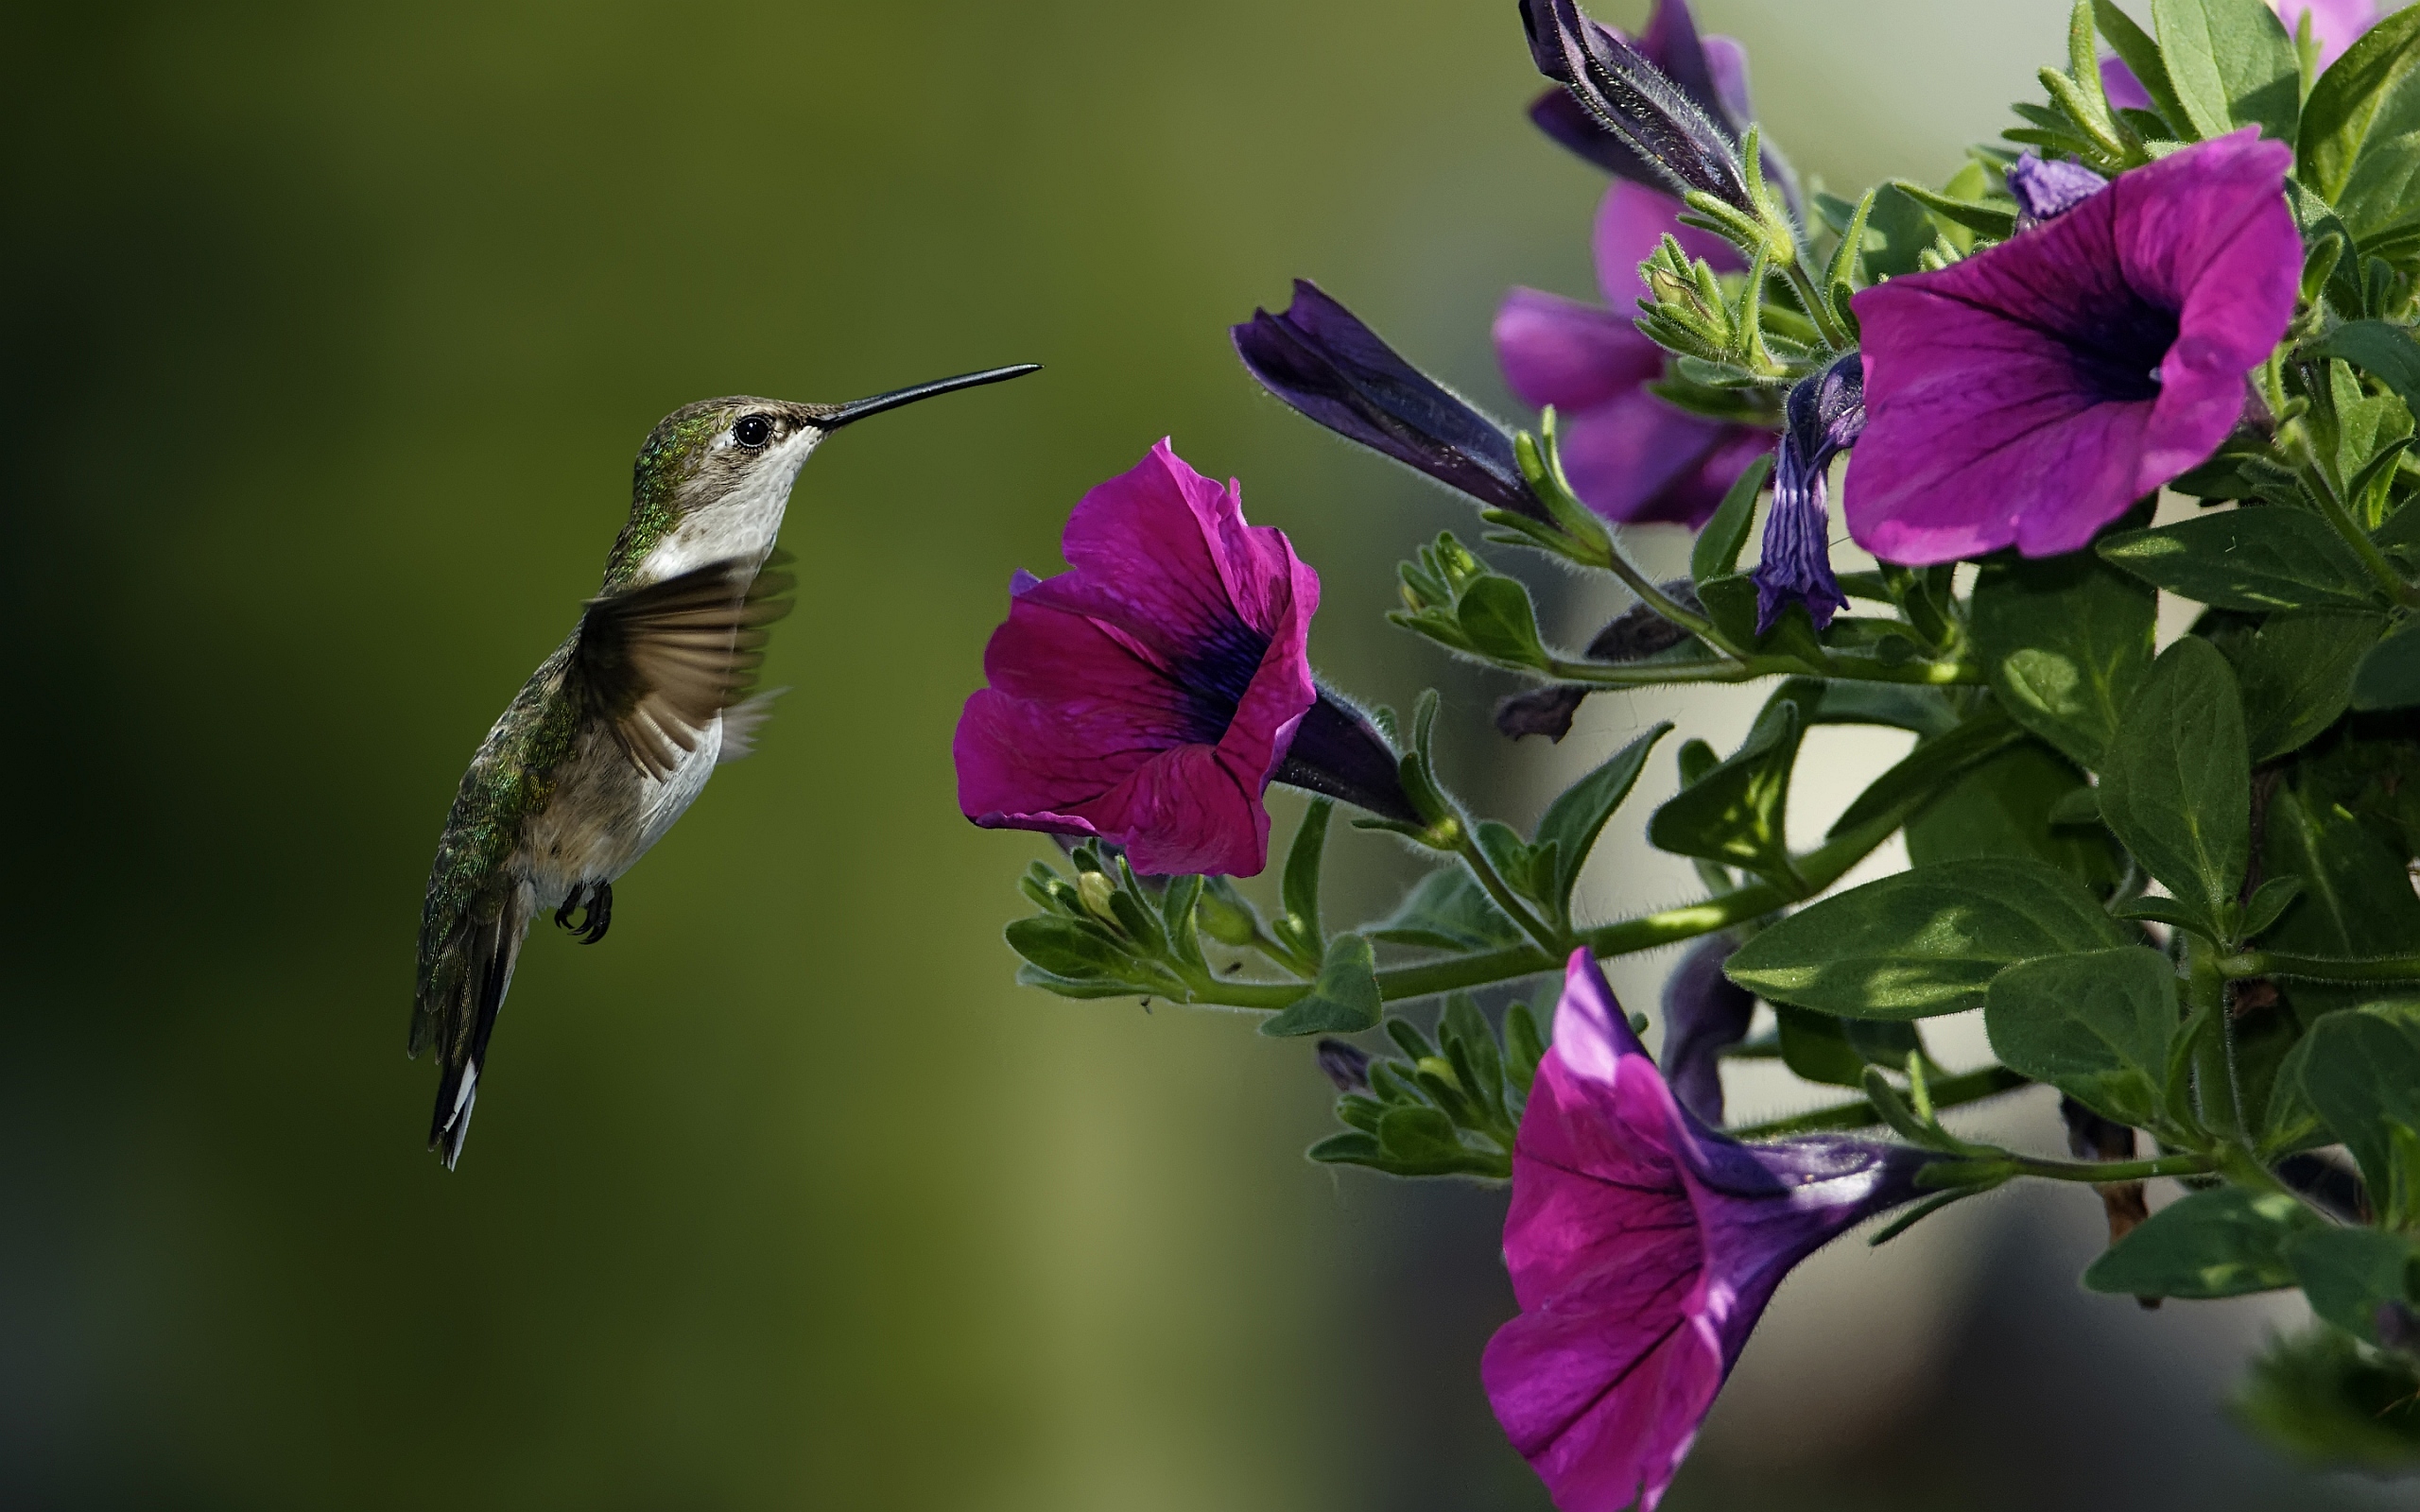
(597, 899)
(601, 913)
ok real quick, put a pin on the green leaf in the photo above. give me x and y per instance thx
(1836, 1052)
(1471, 1046)
(2177, 787)
(2012, 805)
(2064, 641)
(2324, 1399)
(1730, 602)
(1924, 941)
(2287, 1121)
(2225, 1242)
(2356, 899)
(2257, 559)
(1897, 231)
(2347, 1274)
(2294, 670)
(1736, 813)
(2095, 1026)
(2268, 901)
(2389, 675)
(1500, 623)
(1344, 1000)
(1075, 949)
(2363, 1077)
(2385, 352)
(2142, 55)
(1997, 221)
(1718, 548)
(1301, 887)
(2357, 113)
(1573, 821)
(1931, 766)
(2231, 64)
(1448, 911)
(1898, 706)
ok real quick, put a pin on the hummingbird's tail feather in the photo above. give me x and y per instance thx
(491, 947)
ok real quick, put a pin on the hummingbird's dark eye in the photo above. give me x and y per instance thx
(752, 432)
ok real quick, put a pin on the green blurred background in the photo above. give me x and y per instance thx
(330, 332)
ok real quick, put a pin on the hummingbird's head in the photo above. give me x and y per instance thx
(714, 477)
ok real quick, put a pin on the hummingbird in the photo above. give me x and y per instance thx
(614, 735)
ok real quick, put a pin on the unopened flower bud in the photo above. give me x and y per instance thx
(1345, 1064)
(1094, 891)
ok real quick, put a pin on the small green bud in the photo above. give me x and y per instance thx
(1224, 915)
(1094, 891)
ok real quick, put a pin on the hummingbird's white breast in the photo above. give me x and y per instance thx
(743, 522)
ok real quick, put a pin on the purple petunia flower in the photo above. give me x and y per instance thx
(2029, 394)
(1147, 695)
(1827, 415)
(1630, 456)
(1643, 1248)
(2335, 24)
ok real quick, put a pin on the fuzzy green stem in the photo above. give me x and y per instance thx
(1947, 1091)
(1818, 308)
(1819, 869)
(2099, 1172)
(2318, 967)
(1483, 871)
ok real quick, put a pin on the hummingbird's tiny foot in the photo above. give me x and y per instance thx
(601, 913)
(571, 905)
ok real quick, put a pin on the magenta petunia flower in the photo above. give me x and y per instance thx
(2028, 395)
(1643, 1248)
(2335, 24)
(1630, 456)
(1147, 695)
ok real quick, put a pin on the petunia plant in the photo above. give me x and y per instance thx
(2158, 340)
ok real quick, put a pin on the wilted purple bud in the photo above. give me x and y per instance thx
(1338, 753)
(2046, 190)
(1711, 70)
(1347, 1065)
(1546, 711)
(1704, 1014)
(1826, 415)
(1637, 101)
(1327, 364)
(1639, 632)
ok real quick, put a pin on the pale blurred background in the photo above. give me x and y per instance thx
(331, 332)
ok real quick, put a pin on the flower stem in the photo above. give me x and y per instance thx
(1949, 1091)
(2341, 519)
(1817, 869)
(1749, 667)
(1819, 309)
(1466, 846)
(2099, 1172)
(2318, 967)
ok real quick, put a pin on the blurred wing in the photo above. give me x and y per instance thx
(660, 662)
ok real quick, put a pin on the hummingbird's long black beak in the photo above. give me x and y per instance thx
(841, 414)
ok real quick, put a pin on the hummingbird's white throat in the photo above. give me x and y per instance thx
(744, 521)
